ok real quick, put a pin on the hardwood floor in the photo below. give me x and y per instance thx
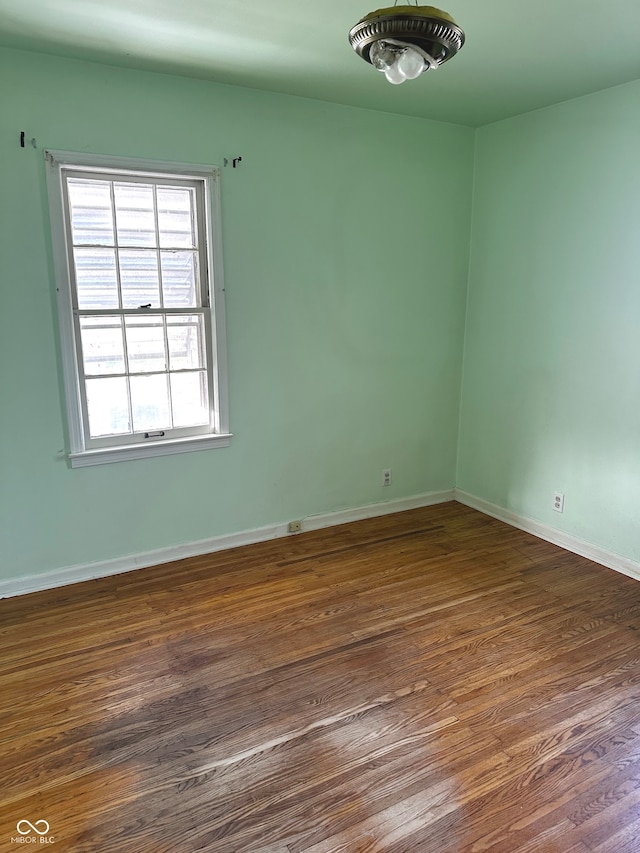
(429, 682)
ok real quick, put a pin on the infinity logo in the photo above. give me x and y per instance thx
(32, 827)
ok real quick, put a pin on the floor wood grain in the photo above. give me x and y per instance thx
(429, 682)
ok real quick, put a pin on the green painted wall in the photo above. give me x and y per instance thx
(551, 392)
(345, 237)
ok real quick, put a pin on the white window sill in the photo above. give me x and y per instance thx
(143, 451)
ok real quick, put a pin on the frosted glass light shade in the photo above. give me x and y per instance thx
(411, 63)
(395, 74)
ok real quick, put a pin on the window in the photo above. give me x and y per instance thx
(139, 276)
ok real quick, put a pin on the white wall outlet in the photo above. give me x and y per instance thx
(386, 477)
(294, 526)
(558, 502)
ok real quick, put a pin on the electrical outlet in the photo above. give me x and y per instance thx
(558, 502)
(294, 526)
(386, 477)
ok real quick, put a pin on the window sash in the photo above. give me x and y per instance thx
(166, 432)
(203, 181)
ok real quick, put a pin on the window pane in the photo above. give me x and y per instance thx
(150, 402)
(91, 212)
(96, 278)
(190, 399)
(145, 343)
(175, 217)
(102, 346)
(135, 218)
(186, 342)
(139, 278)
(108, 406)
(179, 279)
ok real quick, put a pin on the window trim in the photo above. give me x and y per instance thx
(79, 455)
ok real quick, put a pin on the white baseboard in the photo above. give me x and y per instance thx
(119, 565)
(344, 516)
(550, 534)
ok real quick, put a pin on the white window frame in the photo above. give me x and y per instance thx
(117, 448)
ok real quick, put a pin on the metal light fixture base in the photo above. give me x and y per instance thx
(433, 31)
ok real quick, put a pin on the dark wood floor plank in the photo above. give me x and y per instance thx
(427, 682)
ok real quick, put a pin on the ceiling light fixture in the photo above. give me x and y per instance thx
(405, 41)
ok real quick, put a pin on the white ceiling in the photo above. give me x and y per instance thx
(518, 56)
